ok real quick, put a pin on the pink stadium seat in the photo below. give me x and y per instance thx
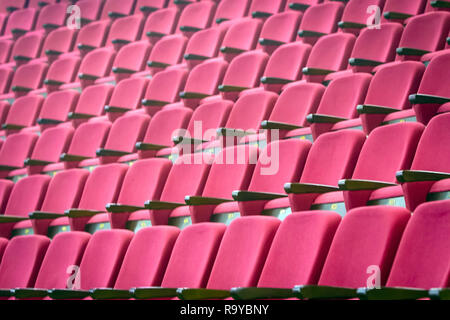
(130, 59)
(27, 78)
(11, 5)
(92, 36)
(56, 107)
(96, 64)
(167, 52)
(19, 23)
(160, 24)
(6, 76)
(301, 5)
(26, 48)
(90, 10)
(285, 65)
(23, 113)
(399, 11)
(230, 10)
(5, 190)
(58, 42)
(62, 71)
(16, 148)
(124, 31)
(319, 20)
(116, 9)
(266, 8)
(147, 7)
(356, 15)
(195, 17)
(6, 46)
(51, 17)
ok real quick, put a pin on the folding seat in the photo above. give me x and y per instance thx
(319, 20)
(433, 90)
(417, 40)
(51, 17)
(23, 113)
(21, 262)
(266, 8)
(230, 10)
(58, 42)
(115, 9)
(96, 64)
(160, 24)
(92, 36)
(203, 81)
(167, 52)
(56, 107)
(429, 172)
(388, 94)
(412, 275)
(279, 29)
(6, 75)
(15, 149)
(368, 53)
(164, 125)
(195, 17)
(338, 107)
(399, 11)
(12, 5)
(323, 61)
(62, 71)
(349, 265)
(315, 231)
(64, 251)
(90, 10)
(204, 45)
(439, 5)
(125, 30)
(127, 96)
(164, 89)
(91, 103)
(27, 78)
(356, 15)
(5, 50)
(245, 245)
(427, 57)
(26, 48)
(147, 7)
(26, 196)
(244, 72)
(301, 5)
(190, 263)
(100, 264)
(19, 23)
(285, 65)
(241, 36)
(130, 59)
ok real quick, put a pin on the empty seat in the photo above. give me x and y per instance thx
(23, 113)
(58, 42)
(56, 107)
(27, 48)
(203, 81)
(148, 6)
(195, 17)
(319, 20)
(242, 35)
(90, 10)
(19, 23)
(417, 40)
(399, 11)
(230, 10)
(301, 5)
(130, 59)
(27, 78)
(51, 17)
(159, 24)
(244, 72)
(116, 9)
(167, 52)
(357, 15)
(127, 96)
(388, 93)
(91, 37)
(279, 29)
(62, 71)
(12, 5)
(323, 61)
(124, 31)
(285, 65)
(96, 64)
(6, 46)
(4, 109)
(16, 148)
(6, 75)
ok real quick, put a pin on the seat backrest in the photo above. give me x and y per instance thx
(89, 137)
(322, 17)
(133, 56)
(266, 7)
(25, 110)
(94, 98)
(17, 148)
(161, 22)
(126, 131)
(206, 77)
(58, 104)
(112, 8)
(52, 143)
(98, 62)
(52, 14)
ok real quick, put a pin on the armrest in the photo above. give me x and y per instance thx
(149, 146)
(426, 98)
(161, 205)
(53, 82)
(201, 294)
(302, 188)
(9, 126)
(111, 153)
(190, 29)
(270, 42)
(65, 157)
(74, 115)
(415, 176)
(18, 30)
(155, 34)
(20, 89)
(356, 185)
(11, 219)
(119, 208)
(440, 4)
(84, 76)
(108, 293)
(411, 52)
(48, 121)
(228, 88)
(120, 41)
(298, 6)
(199, 201)
(50, 26)
(153, 293)
(122, 70)
(372, 109)
(363, 62)
(312, 34)
(53, 52)
(220, 20)
(156, 64)
(81, 46)
(32, 162)
(28, 293)
(111, 109)
(323, 292)
(156, 103)
(193, 95)
(260, 293)
(274, 80)
(186, 140)
(254, 196)
(391, 294)
(80, 213)
(226, 132)
(38, 215)
(316, 71)
(231, 50)
(61, 294)
(391, 15)
(147, 9)
(21, 58)
(351, 25)
(278, 125)
(5, 293)
(439, 294)
(321, 118)
(113, 14)
(8, 168)
(260, 14)
(191, 56)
